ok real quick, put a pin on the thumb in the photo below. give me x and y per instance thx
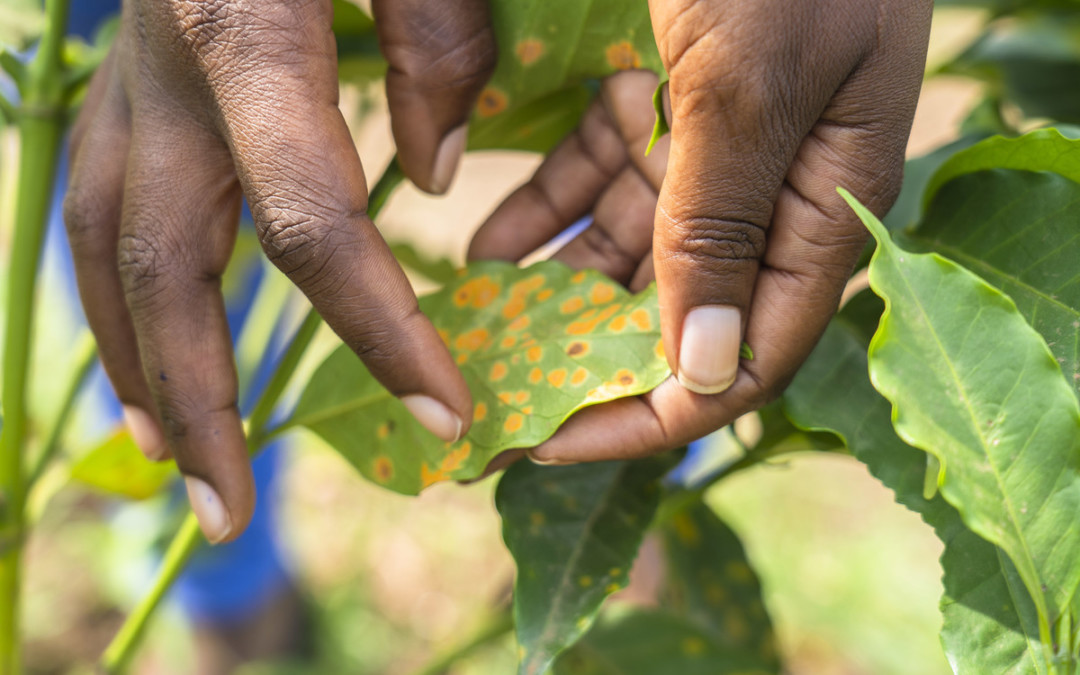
(440, 55)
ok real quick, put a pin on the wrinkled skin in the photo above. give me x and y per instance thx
(773, 104)
(201, 103)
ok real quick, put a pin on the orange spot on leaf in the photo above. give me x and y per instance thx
(535, 376)
(521, 397)
(506, 397)
(579, 377)
(520, 323)
(577, 348)
(429, 477)
(529, 51)
(498, 371)
(622, 56)
(491, 102)
(534, 354)
(544, 294)
(472, 340)
(659, 349)
(384, 469)
(572, 305)
(601, 293)
(618, 323)
(444, 335)
(641, 319)
(514, 307)
(514, 422)
(461, 359)
(508, 342)
(480, 412)
(557, 377)
(527, 410)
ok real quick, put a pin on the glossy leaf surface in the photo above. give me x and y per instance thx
(972, 383)
(710, 582)
(534, 345)
(647, 642)
(574, 532)
(119, 468)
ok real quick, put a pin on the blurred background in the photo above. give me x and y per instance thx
(373, 582)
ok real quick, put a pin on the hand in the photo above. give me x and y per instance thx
(201, 103)
(773, 105)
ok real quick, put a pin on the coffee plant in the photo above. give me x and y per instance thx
(954, 378)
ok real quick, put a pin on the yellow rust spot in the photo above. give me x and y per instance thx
(624, 377)
(520, 323)
(615, 571)
(514, 422)
(498, 371)
(506, 397)
(472, 340)
(478, 293)
(601, 293)
(461, 359)
(739, 572)
(641, 319)
(579, 377)
(611, 588)
(508, 342)
(693, 646)
(526, 286)
(588, 314)
(384, 469)
(444, 335)
(574, 304)
(617, 324)
(521, 397)
(545, 294)
(491, 102)
(535, 376)
(686, 530)
(578, 277)
(577, 348)
(513, 307)
(480, 412)
(536, 518)
(382, 432)
(659, 349)
(527, 410)
(622, 56)
(557, 377)
(456, 457)
(529, 51)
(585, 581)
(534, 354)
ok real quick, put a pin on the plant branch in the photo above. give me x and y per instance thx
(40, 126)
(119, 652)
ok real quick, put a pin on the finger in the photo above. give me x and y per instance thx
(92, 209)
(564, 189)
(304, 182)
(181, 210)
(627, 98)
(620, 235)
(95, 94)
(440, 54)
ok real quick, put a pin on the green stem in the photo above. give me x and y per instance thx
(85, 358)
(495, 628)
(41, 127)
(119, 652)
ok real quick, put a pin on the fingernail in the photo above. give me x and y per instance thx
(209, 509)
(709, 353)
(145, 432)
(436, 418)
(547, 462)
(447, 157)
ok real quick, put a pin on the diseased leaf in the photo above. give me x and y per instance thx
(710, 582)
(1056, 150)
(534, 345)
(119, 468)
(990, 622)
(574, 532)
(547, 52)
(439, 270)
(1016, 229)
(648, 642)
(971, 382)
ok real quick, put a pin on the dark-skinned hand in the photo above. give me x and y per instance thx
(202, 102)
(773, 104)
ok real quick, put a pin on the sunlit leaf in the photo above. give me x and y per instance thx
(117, 467)
(534, 345)
(574, 532)
(990, 622)
(648, 642)
(971, 382)
(547, 52)
(710, 582)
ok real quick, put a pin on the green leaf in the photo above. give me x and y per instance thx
(1056, 150)
(1017, 230)
(535, 345)
(439, 270)
(710, 582)
(917, 173)
(359, 58)
(971, 382)
(990, 622)
(574, 532)
(547, 52)
(118, 468)
(661, 126)
(648, 642)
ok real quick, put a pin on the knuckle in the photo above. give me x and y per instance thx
(81, 211)
(444, 54)
(708, 240)
(301, 243)
(141, 263)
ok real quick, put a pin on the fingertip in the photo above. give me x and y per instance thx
(146, 433)
(447, 158)
(209, 508)
(436, 417)
(539, 457)
(709, 349)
